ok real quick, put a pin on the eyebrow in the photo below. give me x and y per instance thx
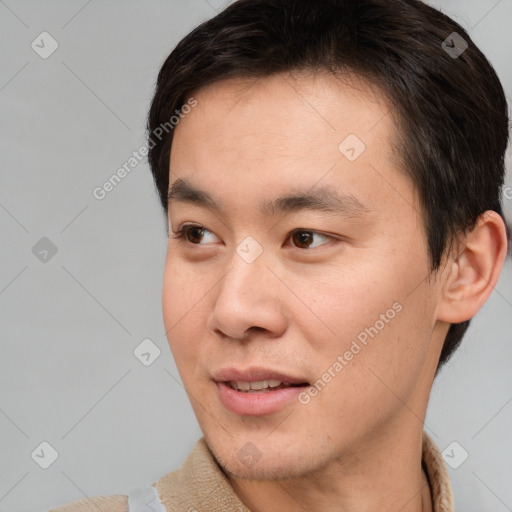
(320, 198)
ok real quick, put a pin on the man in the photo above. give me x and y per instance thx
(331, 181)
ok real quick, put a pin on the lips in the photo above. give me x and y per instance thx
(257, 374)
(257, 391)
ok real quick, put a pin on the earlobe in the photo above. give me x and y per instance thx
(475, 269)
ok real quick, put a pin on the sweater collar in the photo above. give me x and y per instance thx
(200, 483)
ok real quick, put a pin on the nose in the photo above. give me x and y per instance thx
(249, 299)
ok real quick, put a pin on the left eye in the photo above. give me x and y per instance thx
(302, 237)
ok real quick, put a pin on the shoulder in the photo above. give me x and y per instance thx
(198, 480)
(114, 503)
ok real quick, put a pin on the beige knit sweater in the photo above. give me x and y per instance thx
(199, 485)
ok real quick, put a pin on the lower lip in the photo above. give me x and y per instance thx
(256, 404)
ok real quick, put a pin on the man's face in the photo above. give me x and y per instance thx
(337, 299)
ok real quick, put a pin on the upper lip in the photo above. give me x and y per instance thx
(254, 374)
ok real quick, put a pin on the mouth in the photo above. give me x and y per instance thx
(262, 386)
(257, 391)
(257, 379)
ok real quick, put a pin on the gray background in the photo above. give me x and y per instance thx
(68, 326)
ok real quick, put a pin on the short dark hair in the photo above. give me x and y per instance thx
(450, 111)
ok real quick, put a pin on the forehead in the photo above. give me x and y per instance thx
(253, 137)
(283, 115)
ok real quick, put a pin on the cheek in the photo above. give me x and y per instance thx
(384, 357)
(183, 291)
(183, 302)
(341, 302)
(361, 383)
(170, 297)
(378, 312)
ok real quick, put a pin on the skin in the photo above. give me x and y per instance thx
(356, 446)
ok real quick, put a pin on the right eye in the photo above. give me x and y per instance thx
(183, 232)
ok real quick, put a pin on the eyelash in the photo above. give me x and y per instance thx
(180, 233)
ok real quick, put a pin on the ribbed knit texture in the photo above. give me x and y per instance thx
(201, 486)
(437, 474)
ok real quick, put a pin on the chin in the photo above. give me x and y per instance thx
(268, 470)
(243, 460)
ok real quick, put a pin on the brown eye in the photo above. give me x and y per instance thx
(304, 238)
(193, 234)
(190, 233)
(301, 238)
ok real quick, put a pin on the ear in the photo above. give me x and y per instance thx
(474, 269)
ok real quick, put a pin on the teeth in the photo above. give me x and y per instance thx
(256, 385)
(260, 384)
